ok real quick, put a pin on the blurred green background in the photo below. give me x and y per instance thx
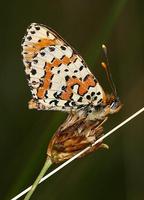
(117, 173)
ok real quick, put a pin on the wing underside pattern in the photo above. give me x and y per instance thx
(58, 77)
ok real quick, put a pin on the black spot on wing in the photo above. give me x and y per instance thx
(51, 49)
(80, 99)
(52, 76)
(32, 32)
(95, 98)
(68, 63)
(50, 85)
(33, 71)
(56, 95)
(73, 103)
(54, 101)
(75, 60)
(37, 28)
(42, 53)
(81, 68)
(63, 87)
(62, 57)
(29, 38)
(92, 93)
(88, 97)
(67, 104)
(99, 101)
(67, 78)
(53, 59)
(63, 48)
(86, 77)
(47, 33)
(35, 61)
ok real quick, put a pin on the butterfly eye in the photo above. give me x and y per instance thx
(113, 105)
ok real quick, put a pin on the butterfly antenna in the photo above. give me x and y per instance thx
(106, 67)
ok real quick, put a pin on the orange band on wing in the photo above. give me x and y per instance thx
(35, 47)
(47, 79)
(83, 86)
(65, 60)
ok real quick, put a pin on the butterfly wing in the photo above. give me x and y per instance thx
(58, 77)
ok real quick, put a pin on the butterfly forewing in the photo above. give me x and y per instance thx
(57, 75)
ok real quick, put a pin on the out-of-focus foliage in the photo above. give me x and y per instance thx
(117, 173)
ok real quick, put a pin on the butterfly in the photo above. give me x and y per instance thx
(59, 79)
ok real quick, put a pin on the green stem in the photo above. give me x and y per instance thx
(47, 164)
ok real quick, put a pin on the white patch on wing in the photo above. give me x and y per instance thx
(58, 79)
(57, 53)
(51, 37)
(48, 56)
(56, 86)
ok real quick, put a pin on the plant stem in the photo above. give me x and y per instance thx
(47, 164)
